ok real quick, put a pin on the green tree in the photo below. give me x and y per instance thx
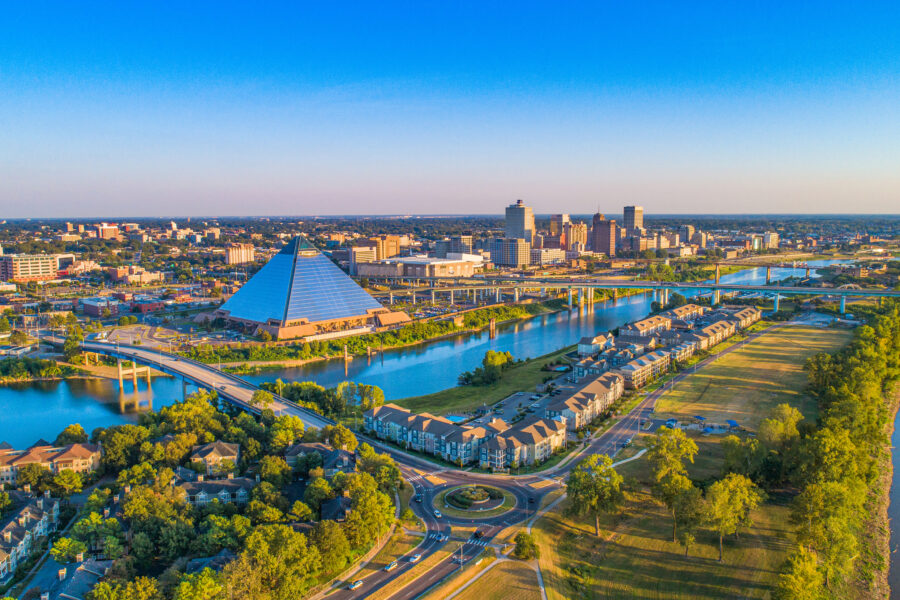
(595, 487)
(65, 550)
(317, 492)
(262, 399)
(34, 475)
(526, 548)
(73, 434)
(275, 470)
(800, 578)
(4, 325)
(66, 483)
(18, 338)
(668, 451)
(333, 546)
(729, 502)
(72, 345)
(340, 437)
(204, 585)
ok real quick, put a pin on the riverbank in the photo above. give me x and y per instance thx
(534, 310)
(878, 528)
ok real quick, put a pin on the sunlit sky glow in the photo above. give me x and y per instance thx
(218, 108)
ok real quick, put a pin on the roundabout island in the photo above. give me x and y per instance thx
(474, 501)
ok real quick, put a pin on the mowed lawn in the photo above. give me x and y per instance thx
(509, 579)
(748, 383)
(636, 558)
(520, 378)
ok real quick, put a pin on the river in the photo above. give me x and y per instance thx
(42, 409)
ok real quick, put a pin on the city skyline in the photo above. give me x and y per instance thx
(291, 111)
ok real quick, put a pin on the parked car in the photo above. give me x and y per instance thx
(355, 585)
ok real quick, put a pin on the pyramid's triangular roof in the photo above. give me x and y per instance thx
(299, 283)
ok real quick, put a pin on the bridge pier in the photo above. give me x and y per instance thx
(768, 275)
(516, 294)
(570, 298)
(717, 273)
(184, 389)
(716, 297)
(498, 295)
(843, 305)
(777, 298)
(391, 298)
(134, 370)
(432, 295)
(807, 272)
(451, 298)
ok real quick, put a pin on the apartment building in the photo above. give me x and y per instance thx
(529, 442)
(238, 254)
(648, 326)
(642, 370)
(744, 317)
(28, 267)
(688, 312)
(459, 444)
(587, 402)
(20, 530)
(74, 457)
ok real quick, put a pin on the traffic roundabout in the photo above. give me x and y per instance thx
(474, 501)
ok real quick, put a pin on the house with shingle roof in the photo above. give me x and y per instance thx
(214, 453)
(74, 457)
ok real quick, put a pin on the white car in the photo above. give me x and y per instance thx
(391, 566)
(415, 558)
(437, 514)
(355, 585)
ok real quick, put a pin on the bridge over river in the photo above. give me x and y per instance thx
(229, 387)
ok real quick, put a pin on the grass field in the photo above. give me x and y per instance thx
(747, 384)
(509, 579)
(398, 547)
(522, 377)
(635, 556)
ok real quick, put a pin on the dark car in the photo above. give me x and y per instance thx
(478, 534)
(418, 498)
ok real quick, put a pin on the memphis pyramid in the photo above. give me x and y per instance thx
(300, 293)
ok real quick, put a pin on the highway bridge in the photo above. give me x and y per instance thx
(229, 387)
(482, 287)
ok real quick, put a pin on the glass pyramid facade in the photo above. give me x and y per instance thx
(299, 284)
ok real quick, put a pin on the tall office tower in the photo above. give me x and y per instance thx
(634, 218)
(460, 244)
(558, 223)
(603, 235)
(511, 252)
(520, 222)
(385, 246)
(687, 232)
(575, 233)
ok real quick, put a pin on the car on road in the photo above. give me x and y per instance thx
(531, 501)
(418, 498)
(355, 585)
(415, 558)
(437, 514)
(478, 534)
(391, 566)
(627, 442)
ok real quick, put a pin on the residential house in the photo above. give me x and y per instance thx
(234, 490)
(588, 346)
(213, 454)
(333, 459)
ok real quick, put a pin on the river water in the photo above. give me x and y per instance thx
(42, 409)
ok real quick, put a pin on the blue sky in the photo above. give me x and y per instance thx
(127, 109)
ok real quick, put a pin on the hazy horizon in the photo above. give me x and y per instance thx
(226, 109)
